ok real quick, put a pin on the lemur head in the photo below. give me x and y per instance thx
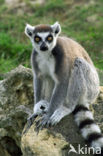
(43, 37)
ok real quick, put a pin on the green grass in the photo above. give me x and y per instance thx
(76, 20)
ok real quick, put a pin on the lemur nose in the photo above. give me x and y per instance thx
(43, 47)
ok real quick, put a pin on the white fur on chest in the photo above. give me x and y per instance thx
(46, 64)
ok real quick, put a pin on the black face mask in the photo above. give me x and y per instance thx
(43, 46)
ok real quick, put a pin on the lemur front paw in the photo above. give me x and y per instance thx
(54, 119)
(41, 107)
(43, 122)
(32, 118)
(47, 121)
(57, 116)
(30, 121)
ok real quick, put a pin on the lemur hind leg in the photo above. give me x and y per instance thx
(84, 84)
(83, 89)
(92, 82)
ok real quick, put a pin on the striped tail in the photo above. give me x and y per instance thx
(89, 130)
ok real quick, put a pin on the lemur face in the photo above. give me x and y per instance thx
(43, 37)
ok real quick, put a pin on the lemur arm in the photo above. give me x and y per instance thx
(58, 96)
(62, 74)
(60, 90)
(37, 81)
(37, 88)
(57, 100)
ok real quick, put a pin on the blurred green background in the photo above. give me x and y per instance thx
(81, 20)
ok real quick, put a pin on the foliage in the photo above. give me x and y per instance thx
(82, 21)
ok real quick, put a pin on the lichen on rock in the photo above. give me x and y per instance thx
(16, 102)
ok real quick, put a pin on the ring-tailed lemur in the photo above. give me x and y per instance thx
(66, 78)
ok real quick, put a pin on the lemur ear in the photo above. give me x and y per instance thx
(56, 28)
(29, 30)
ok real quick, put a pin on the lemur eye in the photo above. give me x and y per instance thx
(37, 39)
(49, 38)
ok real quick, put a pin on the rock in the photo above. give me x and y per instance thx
(16, 104)
(37, 145)
(22, 4)
(92, 18)
(3, 152)
(11, 3)
(98, 107)
(57, 140)
(19, 7)
(53, 141)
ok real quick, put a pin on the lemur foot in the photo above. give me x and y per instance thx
(58, 115)
(48, 121)
(32, 118)
(43, 122)
(40, 108)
